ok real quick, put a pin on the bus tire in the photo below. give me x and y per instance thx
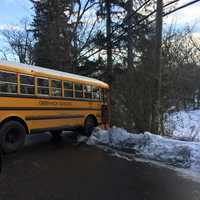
(12, 136)
(56, 136)
(89, 126)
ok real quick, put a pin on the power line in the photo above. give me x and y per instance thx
(165, 14)
(181, 7)
(117, 26)
(147, 16)
(150, 14)
(121, 35)
(91, 49)
(118, 37)
(132, 14)
(135, 12)
(143, 19)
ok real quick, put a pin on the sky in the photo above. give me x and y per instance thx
(12, 11)
(186, 16)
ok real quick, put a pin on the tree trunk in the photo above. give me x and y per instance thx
(109, 42)
(130, 33)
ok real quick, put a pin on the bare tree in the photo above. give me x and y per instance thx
(181, 85)
(3, 52)
(20, 41)
(84, 21)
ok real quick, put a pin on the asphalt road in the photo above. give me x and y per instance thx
(47, 171)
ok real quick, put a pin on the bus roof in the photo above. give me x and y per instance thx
(41, 71)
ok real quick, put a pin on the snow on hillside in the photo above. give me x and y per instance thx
(149, 146)
(184, 125)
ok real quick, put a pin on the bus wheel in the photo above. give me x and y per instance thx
(90, 124)
(56, 136)
(12, 136)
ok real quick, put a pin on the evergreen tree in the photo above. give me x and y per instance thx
(52, 31)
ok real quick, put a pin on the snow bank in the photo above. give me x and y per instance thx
(184, 125)
(149, 146)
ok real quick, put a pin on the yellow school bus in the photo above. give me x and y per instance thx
(35, 99)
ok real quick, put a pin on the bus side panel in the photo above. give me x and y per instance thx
(49, 113)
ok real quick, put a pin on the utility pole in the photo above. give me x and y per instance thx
(158, 68)
(109, 42)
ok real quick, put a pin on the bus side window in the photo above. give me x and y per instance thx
(27, 84)
(87, 91)
(8, 83)
(68, 89)
(56, 88)
(96, 93)
(78, 90)
(105, 95)
(43, 86)
(100, 94)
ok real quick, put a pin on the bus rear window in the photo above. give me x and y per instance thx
(8, 82)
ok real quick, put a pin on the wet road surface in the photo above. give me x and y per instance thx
(43, 170)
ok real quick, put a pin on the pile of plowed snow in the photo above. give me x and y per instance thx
(149, 146)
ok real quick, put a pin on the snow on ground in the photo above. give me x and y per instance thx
(149, 146)
(181, 150)
(184, 125)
